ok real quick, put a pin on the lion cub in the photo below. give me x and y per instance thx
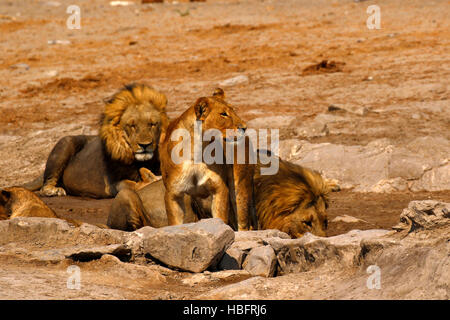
(228, 184)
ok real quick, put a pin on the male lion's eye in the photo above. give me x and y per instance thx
(224, 114)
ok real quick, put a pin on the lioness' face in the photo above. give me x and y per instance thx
(217, 114)
(142, 126)
(4, 198)
(311, 217)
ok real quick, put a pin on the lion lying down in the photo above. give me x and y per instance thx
(19, 202)
(294, 201)
(99, 166)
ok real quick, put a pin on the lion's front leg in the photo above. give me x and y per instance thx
(242, 187)
(175, 207)
(220, 203)
(57, 162)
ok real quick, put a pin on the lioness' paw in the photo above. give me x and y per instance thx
(50, 191)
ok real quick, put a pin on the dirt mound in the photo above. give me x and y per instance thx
(324, 66)
(67, 85)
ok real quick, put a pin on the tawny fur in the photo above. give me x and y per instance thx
(228, 185)
(18, 202)
(294, 200)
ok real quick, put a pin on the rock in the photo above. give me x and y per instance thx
(51, 73)
(320, 126)
(261, 261)
(347, 219)
(360, 111)
(259, 235)
(421, 165)
(192, 247)
(232, 259)
(274, 122)
(358, 167)
(22, 66)
(425, 214)
(243, 290)
(240, 79)
(436, 179)
(58, 42)
(311, 252)
(390, 185)
(52, 233)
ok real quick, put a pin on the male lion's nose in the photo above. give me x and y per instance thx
(145, 145)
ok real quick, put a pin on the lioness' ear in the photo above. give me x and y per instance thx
(201, 108)
(219, 93)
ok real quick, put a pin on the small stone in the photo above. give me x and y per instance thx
(261, 261)
(347, 219)
(241, 79)
(232, 259)
(22, 66)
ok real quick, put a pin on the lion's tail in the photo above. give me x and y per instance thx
(34, 185)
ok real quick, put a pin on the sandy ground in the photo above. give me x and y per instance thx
(399, 73)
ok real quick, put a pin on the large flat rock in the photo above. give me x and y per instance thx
(192, 247)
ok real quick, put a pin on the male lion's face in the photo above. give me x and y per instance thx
(311, 217)
(217, 114)
(142, 126)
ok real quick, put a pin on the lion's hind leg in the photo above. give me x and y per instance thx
(57, 162)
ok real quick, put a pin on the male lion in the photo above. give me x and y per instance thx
(294, 200)
(99, 166)
(229, 185)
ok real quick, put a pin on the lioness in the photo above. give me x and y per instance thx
(19, 202)
(99, 166)
(134, 209)
(229, 185)
(294, 200)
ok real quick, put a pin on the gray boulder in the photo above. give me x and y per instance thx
(425, 214)
(379, 166)
(261, 261)
(311, 252)
(192, 247)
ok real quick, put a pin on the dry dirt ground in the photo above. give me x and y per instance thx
(399, 73)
